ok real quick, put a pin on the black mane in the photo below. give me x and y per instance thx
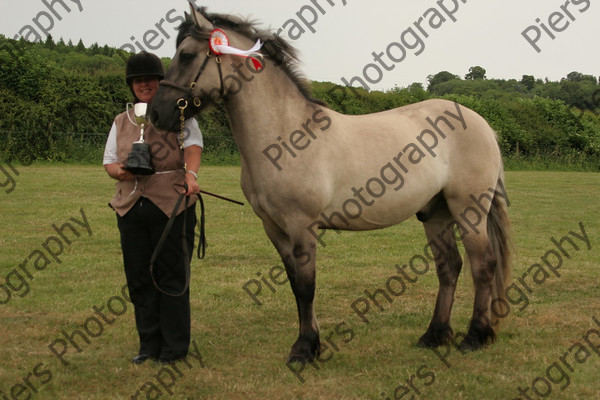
(274, 47)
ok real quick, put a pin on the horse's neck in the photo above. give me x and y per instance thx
(267, 108)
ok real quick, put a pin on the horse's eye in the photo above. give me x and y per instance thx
(187, 57)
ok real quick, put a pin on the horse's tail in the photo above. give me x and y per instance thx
(500, 234)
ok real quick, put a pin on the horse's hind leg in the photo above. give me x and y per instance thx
(439, 228)
(483, 268)
(298, 253)
(483, 261)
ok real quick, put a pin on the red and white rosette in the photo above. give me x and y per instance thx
(219, 44)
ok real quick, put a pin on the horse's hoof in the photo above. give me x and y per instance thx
(478, 337)
(426, 342)
(303, 353)
(467, 345)
(305, 350)
(436, 335)
(299, 358)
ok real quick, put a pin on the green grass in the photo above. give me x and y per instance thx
(570, 162)
(244, 345)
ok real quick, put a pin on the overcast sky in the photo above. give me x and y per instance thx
(365, 39)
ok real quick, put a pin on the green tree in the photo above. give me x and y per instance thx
(579, 77)
(49, 43)
(476, 72)
(94, 49)
(80, 48)
(528, 81)
(440, 77)
(61, 46)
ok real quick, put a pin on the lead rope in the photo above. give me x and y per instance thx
(182, 104)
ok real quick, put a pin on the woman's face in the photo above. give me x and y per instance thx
(145, 88)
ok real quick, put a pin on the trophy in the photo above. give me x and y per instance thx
(139, 161)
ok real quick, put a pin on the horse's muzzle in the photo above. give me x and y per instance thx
(164, 117)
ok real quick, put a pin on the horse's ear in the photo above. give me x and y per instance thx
(201, 20)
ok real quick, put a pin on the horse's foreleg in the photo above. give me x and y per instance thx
(300, 267)
(298, 253)
(440, 236)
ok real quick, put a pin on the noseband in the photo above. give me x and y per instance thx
(190, 88)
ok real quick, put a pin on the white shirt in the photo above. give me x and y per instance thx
(193, 136)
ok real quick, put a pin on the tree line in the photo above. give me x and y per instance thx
(53, 95)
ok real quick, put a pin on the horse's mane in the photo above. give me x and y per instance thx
(274, 47)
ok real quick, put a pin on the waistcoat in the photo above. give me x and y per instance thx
(166, 157)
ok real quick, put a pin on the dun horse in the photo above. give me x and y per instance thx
(307, 169)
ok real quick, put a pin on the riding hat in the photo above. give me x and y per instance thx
(143, 64)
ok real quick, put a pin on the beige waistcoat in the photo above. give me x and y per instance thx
(166, 157)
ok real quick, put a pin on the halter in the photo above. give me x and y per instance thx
(190, 88)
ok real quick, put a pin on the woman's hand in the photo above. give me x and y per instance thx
(117, 172)
(192, 155)
(192, 184)
(123, 174)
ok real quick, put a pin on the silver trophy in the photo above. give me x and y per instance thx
(139, 161)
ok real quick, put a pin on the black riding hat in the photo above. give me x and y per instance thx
(143, 64)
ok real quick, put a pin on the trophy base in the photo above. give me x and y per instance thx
(138, 161)
(140, 171)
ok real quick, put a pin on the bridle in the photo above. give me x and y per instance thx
(190, 88)
(218, 44)
(183, 102)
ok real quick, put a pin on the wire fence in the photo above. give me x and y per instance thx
(79, 145)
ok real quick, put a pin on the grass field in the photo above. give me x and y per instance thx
(66, 331)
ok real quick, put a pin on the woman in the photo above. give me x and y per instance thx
(143, 204)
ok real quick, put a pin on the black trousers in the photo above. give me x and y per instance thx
(162, 321)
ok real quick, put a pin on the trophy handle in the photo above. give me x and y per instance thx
(129, 106)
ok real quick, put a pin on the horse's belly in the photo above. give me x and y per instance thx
(378, 205)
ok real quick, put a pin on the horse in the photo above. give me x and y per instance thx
(307, 169)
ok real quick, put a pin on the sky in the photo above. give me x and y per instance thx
(377, 43)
